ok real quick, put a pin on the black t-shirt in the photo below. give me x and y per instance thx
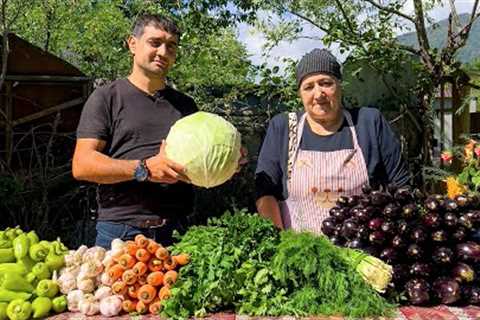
(133, 125)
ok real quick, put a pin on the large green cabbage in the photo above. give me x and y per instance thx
(207, 145)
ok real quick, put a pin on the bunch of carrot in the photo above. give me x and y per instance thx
(143, 273)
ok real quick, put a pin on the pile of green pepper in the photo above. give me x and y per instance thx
(26, 268)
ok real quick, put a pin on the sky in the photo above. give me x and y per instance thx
(254, 41)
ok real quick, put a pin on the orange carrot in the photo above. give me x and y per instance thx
(143, 255)
(162, 253)
(155, 307)
(164, 293)
(115, 272)
(152, 246)
(133, 290)
(155, 265)
(130, 248)
(129, 305)
(155, 278)
(141, 241)
(140, 268)
(169, 264)
(147, 293)
(129, 277)
(141, 307)
(119, 287)
(127, 261)
(142, 280)
(182, 259)
(170, 277)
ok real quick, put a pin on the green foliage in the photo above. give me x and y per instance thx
(241, 262)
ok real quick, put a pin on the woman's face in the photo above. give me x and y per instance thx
(321, 96)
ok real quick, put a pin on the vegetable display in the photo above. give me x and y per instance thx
(431, 241)
(207, 145)
(27, 265)
(242, 262)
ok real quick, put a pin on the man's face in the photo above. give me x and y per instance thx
(154, 51)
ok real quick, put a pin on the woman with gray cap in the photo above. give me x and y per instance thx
(310, 158)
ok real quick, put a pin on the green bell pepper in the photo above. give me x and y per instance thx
(32, 279)
(56, 256)
(38, 251)
(3, 310)
(8, 295)
(6, 255)
(60, 304)
(6, 244)
(15, 282)
(21, 244)
(13, 267)
(26, 262)
(41, 271)
(41, 307)
(47, 288)
(33, 237)
(19, 310)
(12, 233)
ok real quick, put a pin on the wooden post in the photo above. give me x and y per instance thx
(461, 121)
(8, 124)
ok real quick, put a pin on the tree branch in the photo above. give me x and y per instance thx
(473, 85)
(298, 15)
(460, 38)
(422, 38)
(390, 10)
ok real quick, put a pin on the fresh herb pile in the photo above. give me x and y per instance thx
(241, 262)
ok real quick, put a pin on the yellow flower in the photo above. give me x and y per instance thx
(454, 188)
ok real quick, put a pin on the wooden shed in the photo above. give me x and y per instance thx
(39, 87)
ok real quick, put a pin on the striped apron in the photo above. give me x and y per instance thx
(317, 178)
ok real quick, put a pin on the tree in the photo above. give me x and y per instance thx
(367, 29)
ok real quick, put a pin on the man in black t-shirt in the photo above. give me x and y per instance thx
(120, 142)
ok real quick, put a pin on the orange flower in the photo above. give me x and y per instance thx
(454, 188)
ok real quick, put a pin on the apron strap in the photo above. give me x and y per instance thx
(292, 142)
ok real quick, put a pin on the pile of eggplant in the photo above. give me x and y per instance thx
(432, 241)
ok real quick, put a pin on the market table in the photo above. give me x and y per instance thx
(404, 313)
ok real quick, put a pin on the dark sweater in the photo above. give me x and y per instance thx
(379, 144)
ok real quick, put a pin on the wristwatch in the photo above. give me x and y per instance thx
(141, 172)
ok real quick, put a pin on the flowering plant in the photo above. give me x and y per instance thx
(468, 179)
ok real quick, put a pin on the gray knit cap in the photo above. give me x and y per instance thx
(318, 61)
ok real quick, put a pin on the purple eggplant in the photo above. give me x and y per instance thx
(398, 242)
(450, 219)
(415, 252)
(431, 220)
(432, 204)
(420, 270)
(363, 232)
(439, 236)
(403, 195)
(465, 221)
(443, 255)
(355, 244)
(463, 273)
(342, 201)
(388, 227)
(389, 255)
(471, 294)
(446, 290)
(409, 211)
(468, 251)
(418, 291)
(366, 189)
(461, 200)
(450, 205)
(391, 210)
(379, 198)
(403, 227)
(375, 224)
(400, 273)
(337, 240)
(353, 200)
(460, 234)
(350, 228)
(328, 226)
(377, 238)
(418, 235)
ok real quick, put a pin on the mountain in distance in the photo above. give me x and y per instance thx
(437, 35)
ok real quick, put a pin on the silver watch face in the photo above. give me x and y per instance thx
(141, 173)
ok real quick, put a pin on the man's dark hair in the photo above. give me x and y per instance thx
(157, 21)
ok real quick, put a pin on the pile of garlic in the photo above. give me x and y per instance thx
(86, 284)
